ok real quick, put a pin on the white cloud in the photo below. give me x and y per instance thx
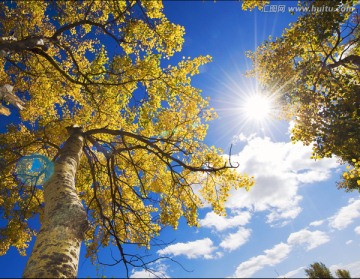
(270, 257)
(235, 240)
(243, 138)
(279, 169)
(280, 213)
(346, 215)
(317, 223)
(293, 273)
(311, 176)
(304, 237)
(202, 248)
(145, 274)
(348, 242)
(218, 255)
(221, 223)
(156, 270)
(357, 230)
(308, 238)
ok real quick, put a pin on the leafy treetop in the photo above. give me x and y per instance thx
(314, 69)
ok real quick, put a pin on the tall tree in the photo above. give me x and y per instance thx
(132, 160)
(314, 69)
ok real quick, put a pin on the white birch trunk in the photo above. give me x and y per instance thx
(57, 246)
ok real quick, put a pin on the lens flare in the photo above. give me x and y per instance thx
(257, 107)
(34, 169)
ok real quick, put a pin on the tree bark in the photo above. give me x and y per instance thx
(57, 246)
(355, 59)
(7, 95)
(11, 44)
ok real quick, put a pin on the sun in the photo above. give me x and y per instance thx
(249, 109)
(257, 107)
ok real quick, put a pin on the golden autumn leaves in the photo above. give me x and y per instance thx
(104, 68)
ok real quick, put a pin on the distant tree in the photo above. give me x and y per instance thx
(342, 273)
(314, 69)
(318, 270)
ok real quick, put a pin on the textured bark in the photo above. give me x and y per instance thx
(11, 44)
(57, 246)
(7, 95)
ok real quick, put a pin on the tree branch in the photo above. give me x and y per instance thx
(354, 59)
(154, 149)
(11, 44)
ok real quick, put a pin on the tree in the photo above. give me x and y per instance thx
(342, 273)
(318, 270)
(313, 69)
(133, 153)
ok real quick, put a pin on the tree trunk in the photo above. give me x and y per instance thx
(57, 246)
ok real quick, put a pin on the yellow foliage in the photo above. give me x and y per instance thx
(351, 176)
(139, 179)
(251, 4)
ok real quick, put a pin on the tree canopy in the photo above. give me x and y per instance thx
(320, 270)
(102, 65)
(313, 69)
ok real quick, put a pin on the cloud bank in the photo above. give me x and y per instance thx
(280, 169)
(311, 240)
(346, 215)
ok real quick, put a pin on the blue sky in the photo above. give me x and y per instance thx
(293, 216)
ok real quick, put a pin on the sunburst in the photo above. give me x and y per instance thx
(258, 107)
